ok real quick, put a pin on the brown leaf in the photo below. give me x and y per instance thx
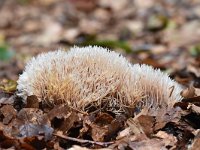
(99, 129)
(192, 99)
(135, 126)
(142, 124)
(103, 127)
(113, 128)
(30, 143)
(32, 102)
(98, 133)
(193, 66)
(124, 133)
(31, 115)
(30, 130)
(103, 119)
(147, 123)
(84, 5)
(150, 144)
(196, 143)
(8, 112)
(6, 142)
(62, 118)
(194, 108)
(170, 115)
(140, 142)
(32, 123)
(6, 98)
(189, 92)
(169, 139)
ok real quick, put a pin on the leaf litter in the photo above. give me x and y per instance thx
(163, 34)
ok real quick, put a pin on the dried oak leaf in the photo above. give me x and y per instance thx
(8, 113)
(142, 124)
(32, 102)
(5, 141)
(30, 130)
(150, 144)
(6, 98)
(194, 108)
(169, 139)
(147, 123)
(124, 133)
(196, 143)
(62, 118)
(135, 127)
(102, 128)
(166, 116)
(33, 124)
(31, 115)
(188, 92)
(97, 130)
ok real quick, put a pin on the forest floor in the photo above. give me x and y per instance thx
(161, 33)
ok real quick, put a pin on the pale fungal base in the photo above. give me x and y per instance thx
(94, 76)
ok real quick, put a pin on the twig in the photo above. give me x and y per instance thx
(83, 141)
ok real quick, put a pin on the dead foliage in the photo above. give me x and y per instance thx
(164, 34)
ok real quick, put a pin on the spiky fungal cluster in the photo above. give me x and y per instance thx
(95, 76)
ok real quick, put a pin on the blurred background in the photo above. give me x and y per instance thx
(162, 33)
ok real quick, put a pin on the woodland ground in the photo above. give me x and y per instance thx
(161, 33)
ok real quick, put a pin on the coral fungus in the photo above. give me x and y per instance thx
(95, 76)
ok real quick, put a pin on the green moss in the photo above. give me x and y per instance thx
(5, 53)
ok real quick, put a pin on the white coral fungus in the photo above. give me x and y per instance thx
(95, 76)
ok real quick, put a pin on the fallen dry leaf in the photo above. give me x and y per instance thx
(196, 143)
(164, 34)
(32, 102)
(188, 92)
(171, 115)
(61, 118)
(8, 113)
(30, 130)
(169, 139)
(194, 108)
(148, 144)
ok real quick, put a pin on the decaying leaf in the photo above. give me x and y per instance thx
(8, 113)
(62, 118)
(189, 92)
(8, 85)
(141, 125)
(196, 143)
(194, 108)
(33, 123)
(102, 128)
(30, 115)
(169, 139)
(30, 130)
(164, 34)
(171, 115)
(148, 144)
(32, 102)
(5, 98)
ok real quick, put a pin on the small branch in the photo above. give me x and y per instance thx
(83, 141)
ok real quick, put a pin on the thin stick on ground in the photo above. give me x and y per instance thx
(83, 141)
